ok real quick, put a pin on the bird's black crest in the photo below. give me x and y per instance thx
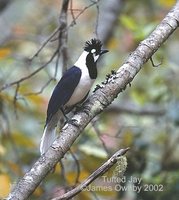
(93, 44)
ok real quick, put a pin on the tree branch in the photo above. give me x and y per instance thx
(100, 171)
(95, 105)
(58, 30)
(130, 108)
(62, 28)
(108, 16)
(62, 37)
(5, 86)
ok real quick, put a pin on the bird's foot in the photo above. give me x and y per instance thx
(74, 122)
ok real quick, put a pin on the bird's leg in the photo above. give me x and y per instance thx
(68, 120)
(63, 112)
(77, 108)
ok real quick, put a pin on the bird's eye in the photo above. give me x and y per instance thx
(93, 50)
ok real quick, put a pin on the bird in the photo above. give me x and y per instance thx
(72, 89)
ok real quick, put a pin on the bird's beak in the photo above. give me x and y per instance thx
(103, 51)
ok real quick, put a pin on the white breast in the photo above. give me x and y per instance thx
(85, 83)
(81, 90)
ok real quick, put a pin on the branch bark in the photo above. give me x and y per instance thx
(95, 105)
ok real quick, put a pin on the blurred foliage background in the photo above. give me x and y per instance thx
(145, 117)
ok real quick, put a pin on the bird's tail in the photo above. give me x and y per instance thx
(47, 139)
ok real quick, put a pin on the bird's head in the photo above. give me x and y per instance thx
(88, 59)
(94, 49)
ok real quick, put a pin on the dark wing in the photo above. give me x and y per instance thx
(63, 91)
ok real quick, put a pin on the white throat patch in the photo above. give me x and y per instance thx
(95, 57)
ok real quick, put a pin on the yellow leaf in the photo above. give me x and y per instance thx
(37, 100)
(113, 43)
(71, 176)
(83, 174)
(127, 138)
(58, 169)
(85, 195)
(2, 150)
(38, 192)
(23, 140)
(168, 3)
(5, 185)
(4, 52)
(128, 22)
(139, 96)
(15, 167)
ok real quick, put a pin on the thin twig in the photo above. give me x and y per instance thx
(5, 86)
(15, 99)
(63, 36)
(41, 90)
(100, 171)
(132, 109)
(97, 20)
(57, 61)
(93, 123)
(77, 166)
(45, 43)
(72, 10)
(73, 22)
(50, 38)
(155, 65)
(57, 30)
(63, 172)
(30, 75)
